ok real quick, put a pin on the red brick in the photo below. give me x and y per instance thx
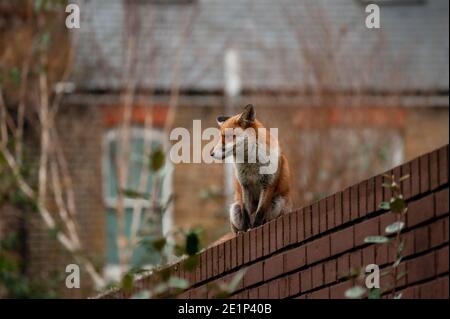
(330, 271)
(406, 184)
(253, 244)
(253, 274)
(322, 216)
(293, 228)
(356, 259)
(354, 202)
(424, 173)
(343, 266)
(283, 287)
(410, 293)
(434, 170)
(420, 210)
(305, 280)
(368, 255)
(317, 276)
(387, 194)
(378, 191)
(315, 219)
(274, 290)
(318, 249)
(366, 228)
(242, 295)
(295, 258)
(233, 252)
(273, 266)
(323, 293)
(209, 258)
(415, 177)
(338, 209)
(204, 264)
(227, 255)
(421, 239)
(286, 229)
(346, 205)
(362, 191)
(446, 285)
(263, 292)
(259, 242)
(370, 190)
(240, 249)
(253, 293)
(273, 235)
(441, 199)
(300, 226)
(338, 291)
(409, 243)
(381, 254)
(443, 165)
(246, 245)
(266, 238)
(437, 233)
(421, 268)
(308, 222)
(330, 212)
(279, 224)
(433, 290)
(215, 260)
(342, 241)
(446, 229)
(442, 260)
(294, 284)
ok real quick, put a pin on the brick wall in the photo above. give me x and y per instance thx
(308, 253)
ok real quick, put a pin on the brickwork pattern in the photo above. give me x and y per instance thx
(307, 253)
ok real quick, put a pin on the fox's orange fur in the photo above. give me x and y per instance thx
(258, 197)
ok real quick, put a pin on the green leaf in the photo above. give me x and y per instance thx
(374, 293)
(403, 178)
(157, 159)
(397, 204)
(394, 227)
(192, 243)
(355, 292)
(376, 240)
(144, 294)
(385, 205)
(386, 185)
(178, 283)
(127, 282)
(398, 296)
(401, 246)
(235, 281)
(397, 262)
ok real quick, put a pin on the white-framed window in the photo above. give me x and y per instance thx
(138, 213)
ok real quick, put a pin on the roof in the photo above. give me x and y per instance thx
(282, 45)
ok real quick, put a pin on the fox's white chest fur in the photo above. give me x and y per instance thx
(261, 171)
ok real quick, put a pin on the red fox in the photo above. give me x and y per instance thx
(259, 197)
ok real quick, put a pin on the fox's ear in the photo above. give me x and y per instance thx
(221, 119)
(248, 116)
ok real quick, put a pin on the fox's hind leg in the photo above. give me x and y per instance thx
(239, 218)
